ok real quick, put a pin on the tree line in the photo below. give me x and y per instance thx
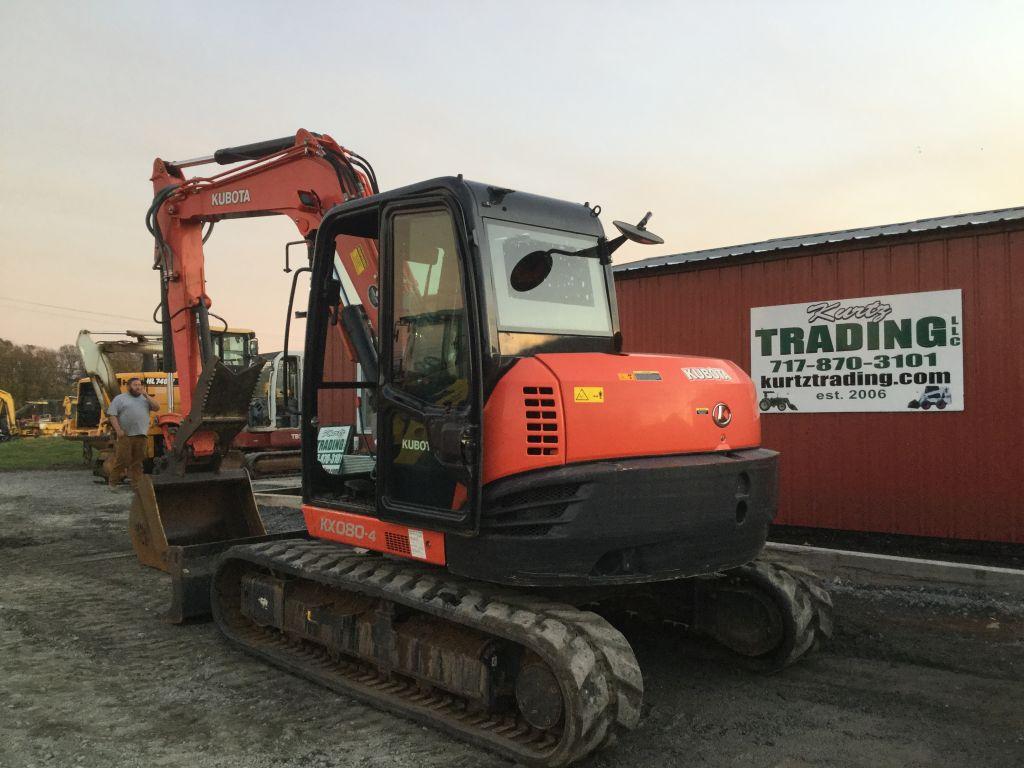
(29, 372)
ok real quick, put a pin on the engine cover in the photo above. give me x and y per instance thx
(557, 409)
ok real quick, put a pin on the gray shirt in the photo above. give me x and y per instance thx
(132, 412)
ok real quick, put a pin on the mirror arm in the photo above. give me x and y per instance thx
(606, 248)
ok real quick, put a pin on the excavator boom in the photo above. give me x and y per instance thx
(300, 177)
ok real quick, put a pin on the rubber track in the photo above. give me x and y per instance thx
(805, 604)
(599, 675)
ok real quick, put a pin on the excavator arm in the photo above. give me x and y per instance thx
(191, 507)
(301, 177)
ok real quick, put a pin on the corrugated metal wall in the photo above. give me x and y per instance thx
(337, 406)
(953, 475)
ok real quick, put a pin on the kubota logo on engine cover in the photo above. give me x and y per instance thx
(706, 374)
(230, 197)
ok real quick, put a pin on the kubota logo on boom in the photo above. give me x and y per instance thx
(230, 197)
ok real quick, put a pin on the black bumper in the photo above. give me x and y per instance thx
(621, 522)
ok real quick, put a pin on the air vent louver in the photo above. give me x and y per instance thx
(396, 543)
(542, 438)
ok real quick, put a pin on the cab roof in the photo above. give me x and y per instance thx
(489, 200)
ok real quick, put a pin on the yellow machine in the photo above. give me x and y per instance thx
(71, 430)
(234, 346)
(8, 424)
(39, 418)
(50, 427)
(70, 413)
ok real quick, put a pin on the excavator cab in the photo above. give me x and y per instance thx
(456, 313)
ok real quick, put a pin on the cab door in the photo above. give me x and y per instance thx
(429, 406)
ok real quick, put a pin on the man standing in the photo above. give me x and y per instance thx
(129, 416)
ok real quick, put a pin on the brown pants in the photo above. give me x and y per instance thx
(129, 454)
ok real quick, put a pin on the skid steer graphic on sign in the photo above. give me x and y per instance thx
(940, 397)
(770, 400)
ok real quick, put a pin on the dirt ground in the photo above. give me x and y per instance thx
(90, 676)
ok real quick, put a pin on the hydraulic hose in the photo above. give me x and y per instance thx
(153, 225)
(361, 162)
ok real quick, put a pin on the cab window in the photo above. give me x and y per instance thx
(429, 355)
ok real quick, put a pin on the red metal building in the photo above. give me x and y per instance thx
(955, 475)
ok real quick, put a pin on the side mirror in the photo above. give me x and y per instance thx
(638, 232)
(531, 270)
(534, 268)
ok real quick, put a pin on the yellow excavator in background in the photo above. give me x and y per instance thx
(39, 418)
(8, 424)
(103, 383)
(269, 444)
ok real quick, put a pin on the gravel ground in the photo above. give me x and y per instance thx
(90, 676)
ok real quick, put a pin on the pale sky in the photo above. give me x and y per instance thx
(731, 121)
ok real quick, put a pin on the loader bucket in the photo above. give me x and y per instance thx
(181, 511)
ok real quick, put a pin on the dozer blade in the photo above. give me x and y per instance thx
(201, 508)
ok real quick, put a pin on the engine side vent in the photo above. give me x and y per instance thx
(542, 436)
(396, 543)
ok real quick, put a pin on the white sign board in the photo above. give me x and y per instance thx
(331, 447)
(878, 353)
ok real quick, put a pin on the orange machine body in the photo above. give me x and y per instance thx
(572, 408)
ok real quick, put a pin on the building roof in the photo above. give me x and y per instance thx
(840, 236)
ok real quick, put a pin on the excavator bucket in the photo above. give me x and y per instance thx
(180, 508)
(182, 519)
(171, 511)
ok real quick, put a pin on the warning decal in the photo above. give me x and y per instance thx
(588, 394)
(417, 545)
(358, 260)
(640, 376)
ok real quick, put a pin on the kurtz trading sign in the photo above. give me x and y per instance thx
(878, 353)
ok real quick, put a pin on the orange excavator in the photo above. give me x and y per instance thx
(531, 482)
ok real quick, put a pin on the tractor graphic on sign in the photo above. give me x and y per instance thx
(770, 400)
(940, 397)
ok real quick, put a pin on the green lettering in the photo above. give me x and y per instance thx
(766, 335)
(849, 336)
(931, 332)
(819, 340)
(791, 341)
(898, 333)
(872, 335)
